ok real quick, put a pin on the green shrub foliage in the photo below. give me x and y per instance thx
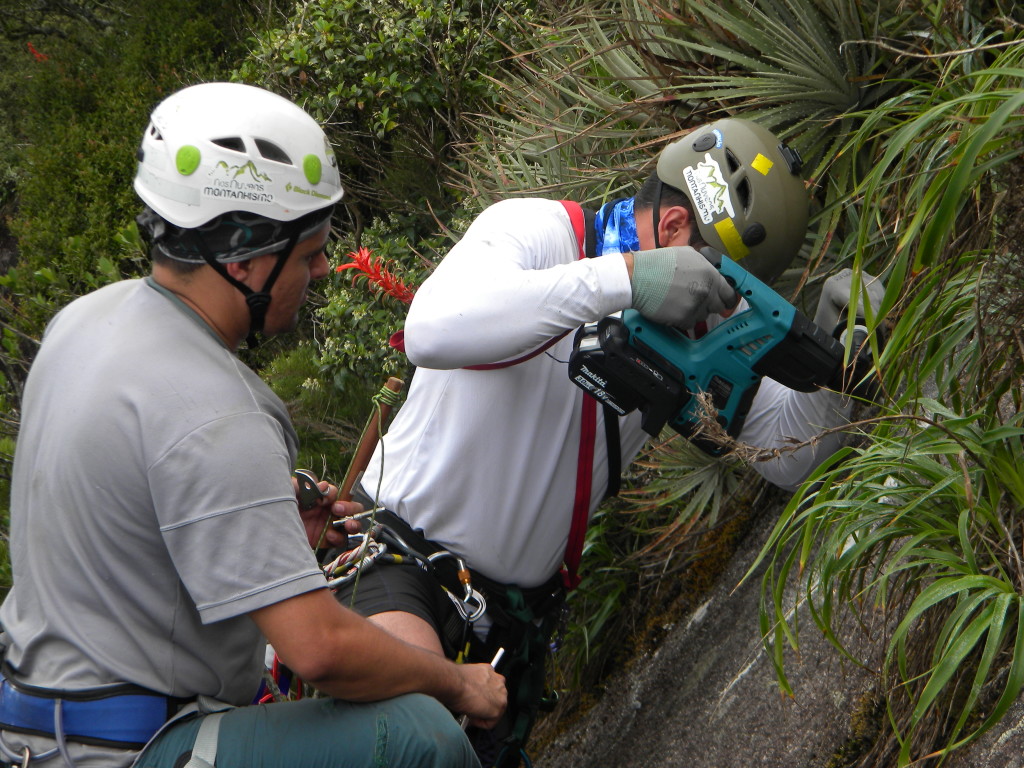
(393, 81)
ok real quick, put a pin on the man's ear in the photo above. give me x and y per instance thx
(675, 226)
(239, 270)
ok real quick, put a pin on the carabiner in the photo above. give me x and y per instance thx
(463, 572)
(470, 613)
(309, 489)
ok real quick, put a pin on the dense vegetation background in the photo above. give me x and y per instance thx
(909, 117)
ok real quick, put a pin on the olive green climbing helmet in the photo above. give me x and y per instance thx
(748, 198)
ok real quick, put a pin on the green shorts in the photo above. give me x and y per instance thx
(412, 731)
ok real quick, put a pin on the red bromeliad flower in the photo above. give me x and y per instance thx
(377, 272)
(39, 56)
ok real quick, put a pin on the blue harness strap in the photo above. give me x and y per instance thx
(125, 720)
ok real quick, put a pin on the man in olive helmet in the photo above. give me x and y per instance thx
(743, 192)
(495, 452)
(155, 537)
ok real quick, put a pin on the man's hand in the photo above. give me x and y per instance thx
(859, 378)
(835, 298)
(339, 652)
(484, 696)
(317, 513)
(677, 286)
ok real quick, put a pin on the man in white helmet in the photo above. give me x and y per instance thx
(155, 537)
(498, 458)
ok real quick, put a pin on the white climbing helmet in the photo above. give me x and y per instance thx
(217, 148)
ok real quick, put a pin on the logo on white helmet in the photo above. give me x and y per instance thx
(239, 182)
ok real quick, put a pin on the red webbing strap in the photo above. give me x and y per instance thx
(579, 227)
(523, 359)
(588, 433)
(584, 484)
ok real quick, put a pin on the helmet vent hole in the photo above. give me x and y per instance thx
(734, 163)
(271, 151)
(234, 143)
(743, 192)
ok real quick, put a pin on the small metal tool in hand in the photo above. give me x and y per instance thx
(464, 720)
(309, 490)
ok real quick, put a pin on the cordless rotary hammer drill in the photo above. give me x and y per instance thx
(632, 362)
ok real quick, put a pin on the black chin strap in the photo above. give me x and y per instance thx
(257, 301)
(657, 213)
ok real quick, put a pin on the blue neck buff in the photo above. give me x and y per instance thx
(615, 228)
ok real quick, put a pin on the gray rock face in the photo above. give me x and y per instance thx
(708, 697)
(1002, 747)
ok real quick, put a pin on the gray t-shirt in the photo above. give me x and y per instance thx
(151, 504)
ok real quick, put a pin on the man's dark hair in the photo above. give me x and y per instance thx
(670, 196)
(179, 267)
(644, 200)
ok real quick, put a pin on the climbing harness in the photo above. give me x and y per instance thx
(387, 540)
(119, 716)
(95, 716)
(522, 621)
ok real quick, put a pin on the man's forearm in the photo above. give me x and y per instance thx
(344, 655)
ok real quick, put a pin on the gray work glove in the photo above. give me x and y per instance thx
(678, 286)
(858, 378)
(835, 298)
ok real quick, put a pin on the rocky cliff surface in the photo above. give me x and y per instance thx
(707, 697)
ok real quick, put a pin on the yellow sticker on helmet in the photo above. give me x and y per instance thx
(734, 245)
(762, 164)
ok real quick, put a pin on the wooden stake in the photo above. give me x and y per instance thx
(373, 431)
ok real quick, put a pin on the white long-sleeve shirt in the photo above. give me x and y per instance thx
(485, 461)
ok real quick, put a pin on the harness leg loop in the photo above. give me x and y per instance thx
(204, 751)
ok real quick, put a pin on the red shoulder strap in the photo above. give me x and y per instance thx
(579, 227)
(588, 433)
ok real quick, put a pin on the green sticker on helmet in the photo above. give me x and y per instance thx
(312, 167)
(187, 160)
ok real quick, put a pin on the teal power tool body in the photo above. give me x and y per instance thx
(632, 362)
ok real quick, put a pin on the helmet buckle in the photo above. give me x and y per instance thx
(792, 158)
